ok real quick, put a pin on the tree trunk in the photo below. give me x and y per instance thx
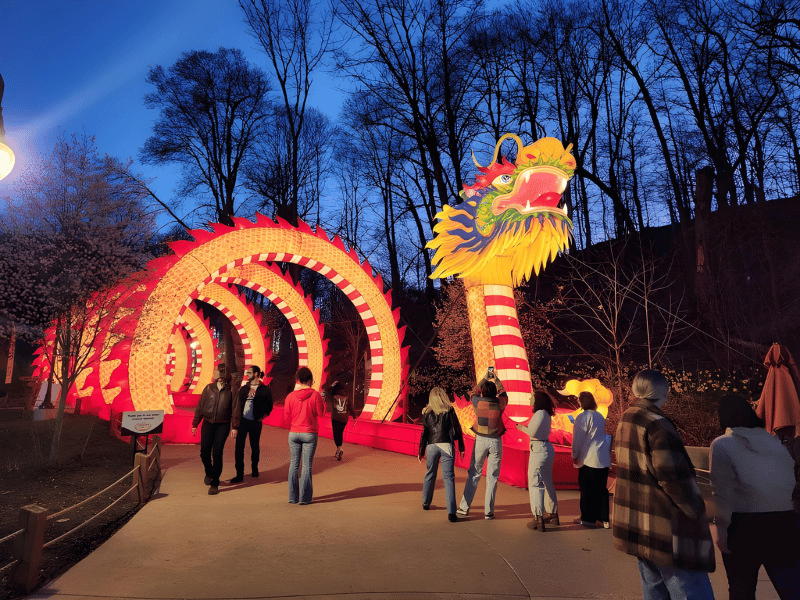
(704, 282)
(62, 399)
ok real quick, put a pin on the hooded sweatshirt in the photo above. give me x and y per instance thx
(301, 409)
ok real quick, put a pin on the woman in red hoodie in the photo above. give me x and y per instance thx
(301, 409)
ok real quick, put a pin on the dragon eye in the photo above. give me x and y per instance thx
(503, 180)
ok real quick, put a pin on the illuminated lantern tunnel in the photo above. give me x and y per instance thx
(145, 355)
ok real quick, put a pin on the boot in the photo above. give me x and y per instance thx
(551, 518)
(537, 524)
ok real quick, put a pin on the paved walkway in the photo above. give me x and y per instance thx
(365, 536)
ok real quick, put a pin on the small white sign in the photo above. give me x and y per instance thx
(142, 422)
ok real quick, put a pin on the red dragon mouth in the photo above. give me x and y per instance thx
(536, 189)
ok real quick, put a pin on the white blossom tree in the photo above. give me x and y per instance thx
(74, 227)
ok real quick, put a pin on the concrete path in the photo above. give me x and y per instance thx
(365, 536)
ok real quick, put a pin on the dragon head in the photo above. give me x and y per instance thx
(512, 218)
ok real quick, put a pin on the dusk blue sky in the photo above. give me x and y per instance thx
(81, 65)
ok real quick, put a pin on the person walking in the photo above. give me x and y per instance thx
(591, 455)
(302, 409)
(255, 403)
(220, 420)
(540, 462)
(659, 515)
(341, 409)
(489, 400)
(440, 433)
(752, 475)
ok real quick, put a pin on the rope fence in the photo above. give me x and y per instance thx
(9, 566)
(90, 519)
(11, 536)
(82, 502)
(28, 553)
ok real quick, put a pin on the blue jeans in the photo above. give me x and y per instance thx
(432, 455)
(493, 448)
(662, 583)
(540, 478)
(301, 445)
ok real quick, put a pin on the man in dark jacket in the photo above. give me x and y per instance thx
(220, 419)
(255, 403)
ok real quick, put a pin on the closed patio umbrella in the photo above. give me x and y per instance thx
(779, 404)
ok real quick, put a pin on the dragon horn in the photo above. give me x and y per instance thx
(507, 136)
(475, 160)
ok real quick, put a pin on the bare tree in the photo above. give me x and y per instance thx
(213, 109)
(296, 36)
(622, 296)
(268, 171)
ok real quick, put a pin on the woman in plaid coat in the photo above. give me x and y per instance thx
(659, 514)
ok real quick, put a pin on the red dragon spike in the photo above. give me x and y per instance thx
(304, 227)
(242, 223)
(368, 268)
(322, 234)
(337, 241)
(264, 221)
(181, 247)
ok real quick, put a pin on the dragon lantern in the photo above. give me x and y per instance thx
(510, 223)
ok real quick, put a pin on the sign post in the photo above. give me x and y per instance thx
(141, 423)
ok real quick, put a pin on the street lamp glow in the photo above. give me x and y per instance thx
(6, 159)
(6, 153)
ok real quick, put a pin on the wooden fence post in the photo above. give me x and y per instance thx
(28, 546)
(141, 476)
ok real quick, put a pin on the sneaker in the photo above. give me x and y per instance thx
(588, 525)
(213, 490)
(489, 517)
(461, 512)
(238, 479)
(339, 454)
(207, 481)
(255, 472)
(606, 525)
(426, 507)
(452, 518)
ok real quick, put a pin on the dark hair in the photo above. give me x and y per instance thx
(304, 375)
(735, 411)
(337, 389)
(543, 401)
(489, 390)
(256, 370)
(223, 373)
(587, 401)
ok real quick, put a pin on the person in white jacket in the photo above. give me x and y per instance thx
(752, 475)
(591, 455)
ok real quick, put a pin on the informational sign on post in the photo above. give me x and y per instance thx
(142, 422)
